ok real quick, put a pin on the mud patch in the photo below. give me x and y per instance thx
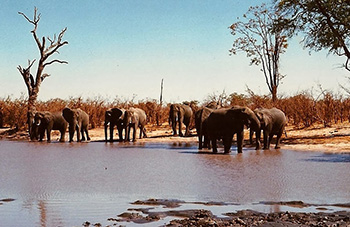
(160, 202)
(6, 200)
(301, 204)
(203, 217)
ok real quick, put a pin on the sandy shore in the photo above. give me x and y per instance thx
(333, 139)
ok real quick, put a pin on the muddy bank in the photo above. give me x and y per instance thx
(204, 217)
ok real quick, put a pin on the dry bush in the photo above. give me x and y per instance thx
(14, 112)
(302, 109)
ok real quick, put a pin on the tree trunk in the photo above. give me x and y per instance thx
(30, 114)
(274, 93)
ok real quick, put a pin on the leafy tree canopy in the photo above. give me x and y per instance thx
(325, 24)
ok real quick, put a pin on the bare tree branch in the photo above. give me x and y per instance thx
(53, 61)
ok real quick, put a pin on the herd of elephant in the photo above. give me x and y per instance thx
(212, 124)
(77, 121)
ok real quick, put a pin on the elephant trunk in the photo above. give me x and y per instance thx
(171, 113)
(254, 123)
(106, 128)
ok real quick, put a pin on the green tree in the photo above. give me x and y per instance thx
(324, 23)
(33, 83)
(256, 38)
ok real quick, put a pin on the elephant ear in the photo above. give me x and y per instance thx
(47, 117)
(67, 113)
(108, 113)
(263, 118)
(117, 112)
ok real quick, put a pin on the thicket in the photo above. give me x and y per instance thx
(302, 109)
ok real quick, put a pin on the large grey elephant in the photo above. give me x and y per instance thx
(224, 123)
(45, 121)
(114, 117)
(180, 114)
(135, 118)
(273, 122)
(78, 120)
(200, 118)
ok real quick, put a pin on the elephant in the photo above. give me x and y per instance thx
(224, 123)
(200, 118)
(180, 113)
(135, 118)
(78, 120)
(45, 121)
(114, 117)
(273, 122)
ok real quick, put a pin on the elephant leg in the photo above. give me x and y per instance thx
(269, 140)
(257, 139)
(48, 135)
(63, 134)
(200, 141)
(134, 133)
(82, 134)
(187, 132)
(127, 136)
(251, 134)
(78, 133)
(278, 140)
(144, 132)
(181, 120)
(111, 131)
(120, 132)
(41, 135)
(240, 137)
(266, 140)
(227, 143)
(213, 142)
(174, 124)
(206, 142)
(141, 128)
(87, 134)
(71, 133)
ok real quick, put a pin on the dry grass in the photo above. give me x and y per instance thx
(302, 110)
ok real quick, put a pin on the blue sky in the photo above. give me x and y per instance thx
(125, 47)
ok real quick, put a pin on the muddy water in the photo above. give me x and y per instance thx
(62, 184)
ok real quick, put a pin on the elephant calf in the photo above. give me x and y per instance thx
(78, 120)
(45, 121)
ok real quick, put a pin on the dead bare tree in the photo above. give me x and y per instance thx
(33, 84)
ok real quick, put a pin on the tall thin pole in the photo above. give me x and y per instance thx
(160, 102)
(161, 93)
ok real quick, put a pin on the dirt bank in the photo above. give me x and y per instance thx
(333, 139)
